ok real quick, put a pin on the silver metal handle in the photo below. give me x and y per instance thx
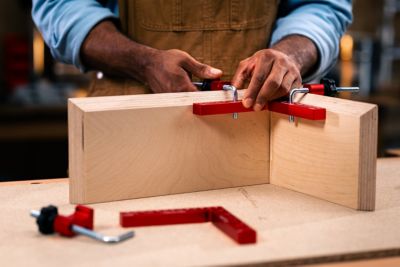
(291, 98)
(100, 237)
(348, 89)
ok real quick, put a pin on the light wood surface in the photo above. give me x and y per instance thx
(333, 159)
(385, 262)
(292, 228)
(146, 145)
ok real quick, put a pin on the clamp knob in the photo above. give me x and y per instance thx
(45, 221)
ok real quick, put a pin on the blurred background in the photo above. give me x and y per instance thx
(34, 88)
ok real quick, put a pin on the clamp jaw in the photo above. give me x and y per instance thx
(80, 222)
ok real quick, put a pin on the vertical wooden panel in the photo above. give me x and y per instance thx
(155, 149)
(334, 160)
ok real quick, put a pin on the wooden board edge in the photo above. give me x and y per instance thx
(368, 158)
(75, 153)
(144, 101)
(35, 182)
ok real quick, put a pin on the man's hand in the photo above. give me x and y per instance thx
(274, 72)
(108, 50)
(170, 71)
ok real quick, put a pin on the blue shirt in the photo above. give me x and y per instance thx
(65, 24)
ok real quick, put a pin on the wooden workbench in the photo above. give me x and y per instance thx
(292, 228)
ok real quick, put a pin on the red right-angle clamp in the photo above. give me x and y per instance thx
(220, 217)
(327, 87)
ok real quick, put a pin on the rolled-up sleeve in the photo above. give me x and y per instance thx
(64, 24)
(324, 22)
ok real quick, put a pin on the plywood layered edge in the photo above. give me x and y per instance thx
(368, 158)
(76, 168)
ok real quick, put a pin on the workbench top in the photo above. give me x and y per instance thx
(291, 227)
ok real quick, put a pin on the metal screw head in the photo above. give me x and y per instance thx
(229, 87)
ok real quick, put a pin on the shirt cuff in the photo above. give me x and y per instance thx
(82, 28)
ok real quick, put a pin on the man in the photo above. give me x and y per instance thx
(158, 45)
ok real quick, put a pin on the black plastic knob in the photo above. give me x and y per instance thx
(45, 221)
(329, 86)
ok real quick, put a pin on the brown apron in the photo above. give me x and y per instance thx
(219, 33)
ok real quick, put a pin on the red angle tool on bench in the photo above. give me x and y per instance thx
(220, 217)
(326, 87)
(80, 222)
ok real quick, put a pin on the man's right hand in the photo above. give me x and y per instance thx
(108, 50)
(170, 71)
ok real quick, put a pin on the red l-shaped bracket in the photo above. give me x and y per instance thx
(284, 107)
(220, 217)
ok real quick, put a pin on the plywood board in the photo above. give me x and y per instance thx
(333, 159)
(145, 145)
(293, 228)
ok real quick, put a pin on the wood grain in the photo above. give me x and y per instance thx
(147, 145)
(334, 159)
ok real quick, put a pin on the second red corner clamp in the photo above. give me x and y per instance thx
(326, 87)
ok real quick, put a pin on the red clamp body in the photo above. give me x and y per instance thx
(163, 217)
(294, 109)
(220, 217)
(83, 216)
(317, 89)
(218, 85)
(211, 85)
(232, 226)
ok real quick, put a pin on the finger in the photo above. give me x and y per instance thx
(298, 83)
(258, 78)
(288, 83)
(185, 83)
(270, 87)
(200, 70)
(189, 87)
(243, 73)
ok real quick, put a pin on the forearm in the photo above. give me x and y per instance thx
(323, 22)
(108, 50)
(301, 50)
(65, 24)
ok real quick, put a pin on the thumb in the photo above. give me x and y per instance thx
(200, 70)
